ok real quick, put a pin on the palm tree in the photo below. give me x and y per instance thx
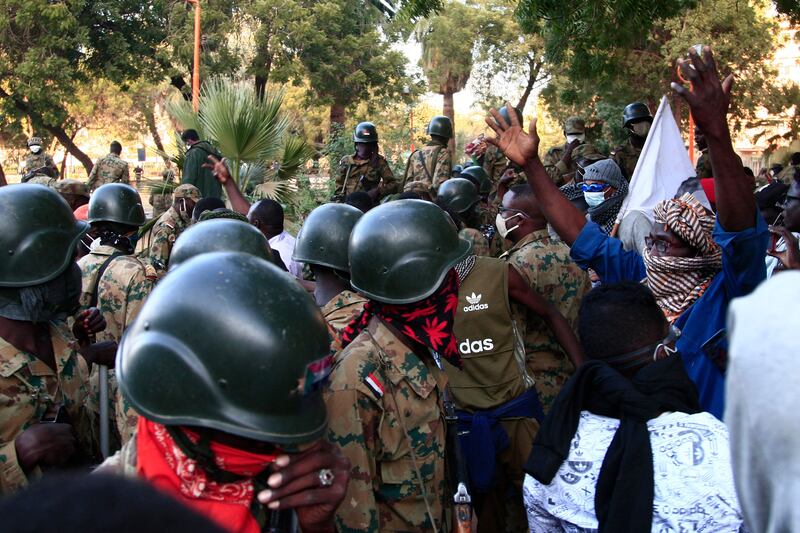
(447, 41)
(250, 131)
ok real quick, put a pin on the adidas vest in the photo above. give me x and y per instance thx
(490, 346)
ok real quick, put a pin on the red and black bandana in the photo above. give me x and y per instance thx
(428, 322)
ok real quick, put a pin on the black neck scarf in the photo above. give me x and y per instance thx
(625, 487)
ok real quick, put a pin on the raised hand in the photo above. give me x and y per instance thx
(44, 444)
(515, 144)
(709, 98)
(790, 257)
(218, 168)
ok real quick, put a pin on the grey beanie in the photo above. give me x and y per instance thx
(607, 171)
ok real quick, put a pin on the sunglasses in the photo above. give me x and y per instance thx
(594, 187)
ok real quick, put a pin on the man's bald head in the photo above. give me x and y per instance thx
(267, 216)
(521, 198)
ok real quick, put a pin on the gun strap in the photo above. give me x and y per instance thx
(428, 173)
(346, 177)
(385, 361)
(100, 271)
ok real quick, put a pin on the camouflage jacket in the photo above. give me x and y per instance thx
(360, 175)
(154, 248)
(108, 169)
(34, 161)
(338, 312)
(432, 164)
(703, 166)
(30, 390)
(41, 179)
(625, 156)
(559, 172)
(384, 404)
(547, 267)
(160, 200)
(494, 163)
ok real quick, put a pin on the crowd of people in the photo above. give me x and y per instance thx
(486, 347)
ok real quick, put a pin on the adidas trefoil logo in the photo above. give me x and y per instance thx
(474, 301)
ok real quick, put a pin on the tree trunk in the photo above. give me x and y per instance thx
(449, 111)
(150, 119)
(179, 83)
(64, 161)
(338, 115)
(3, 181)
(261, 86)
(533, 75)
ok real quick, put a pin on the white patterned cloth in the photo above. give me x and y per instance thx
(694, 488)
(284, 244)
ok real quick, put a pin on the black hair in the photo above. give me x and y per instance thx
(523, 191)
(190, 135)
(360, 200)
(97, 503)
(749, 172)
(206, 204)
(116, 148)
(618, 318)
(409, 195)
(269, 213)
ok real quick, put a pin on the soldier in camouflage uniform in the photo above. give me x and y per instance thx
(322, 245)
(365, 170)
(38, 158)
(43, 379)
(460, 199)
(385, 392)
(115, 281)
(109, 169)
(161, 199)
(547, 267)
(560, 161)
(432, 164)
(155, 246)
(75, 192)
(636, 120)
(40, 179)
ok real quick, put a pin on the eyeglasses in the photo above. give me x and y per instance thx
(594, 187)
(661, 246)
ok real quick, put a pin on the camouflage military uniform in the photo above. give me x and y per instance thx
(343, 308)
(162, 201)
(361, 175)
(108, 169)
(547, 267)
(41, 179)
(30, 390)
(122, 290)
(431, 164)
(703, 166)
(557, 170)
(494, 163)
(72, 186)
(379, 426)
(625, 156)
(154, 248)
(34, 161)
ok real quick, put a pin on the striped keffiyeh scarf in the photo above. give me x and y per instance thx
(677, 282)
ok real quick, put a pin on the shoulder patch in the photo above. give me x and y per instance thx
(374, 385)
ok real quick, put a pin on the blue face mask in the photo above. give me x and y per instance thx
(594, 198)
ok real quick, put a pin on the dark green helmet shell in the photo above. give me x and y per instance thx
(635, 112)
(504, 113)
(227, 342)
(458, 194)
(116, 202)
(441, 126)
(324, 237)
(39, 235)
(365, 132)
(219, 235)
(478, 176)
(400, 252)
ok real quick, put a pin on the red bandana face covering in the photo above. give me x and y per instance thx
(428, 322)
(162, 463)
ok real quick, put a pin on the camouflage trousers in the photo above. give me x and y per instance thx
(550, 371)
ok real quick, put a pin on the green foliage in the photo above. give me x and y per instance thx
(447, 41)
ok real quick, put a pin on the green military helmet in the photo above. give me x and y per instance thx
(34, 141)
(478, 176)
(504, 113)
(231, 343)
(219, 235)
(635, 112)
(365, 132)
(440, 126)
(39, 235)
(400, 252)
(324, 237)
(458, 194)
(457, 170)
(116, 202)
(574, 126)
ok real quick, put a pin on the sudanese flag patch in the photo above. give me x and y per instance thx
(374, 385)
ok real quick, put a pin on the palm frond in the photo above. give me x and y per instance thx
(157, 186)
(296, 152)
(280, 191)
(181, 110)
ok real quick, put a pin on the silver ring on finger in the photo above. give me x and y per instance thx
(326, 477)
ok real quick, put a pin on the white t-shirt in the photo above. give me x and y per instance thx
(693, 478)
(284, 244)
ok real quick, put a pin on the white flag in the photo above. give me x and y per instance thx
(663, 165)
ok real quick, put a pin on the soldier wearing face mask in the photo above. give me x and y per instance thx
(38, 159)
(636, 119)
(560, 162)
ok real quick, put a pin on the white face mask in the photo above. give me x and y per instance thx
(641, 129)
(581, 137)
(502, 224)
(36, 148)
(594, 198)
